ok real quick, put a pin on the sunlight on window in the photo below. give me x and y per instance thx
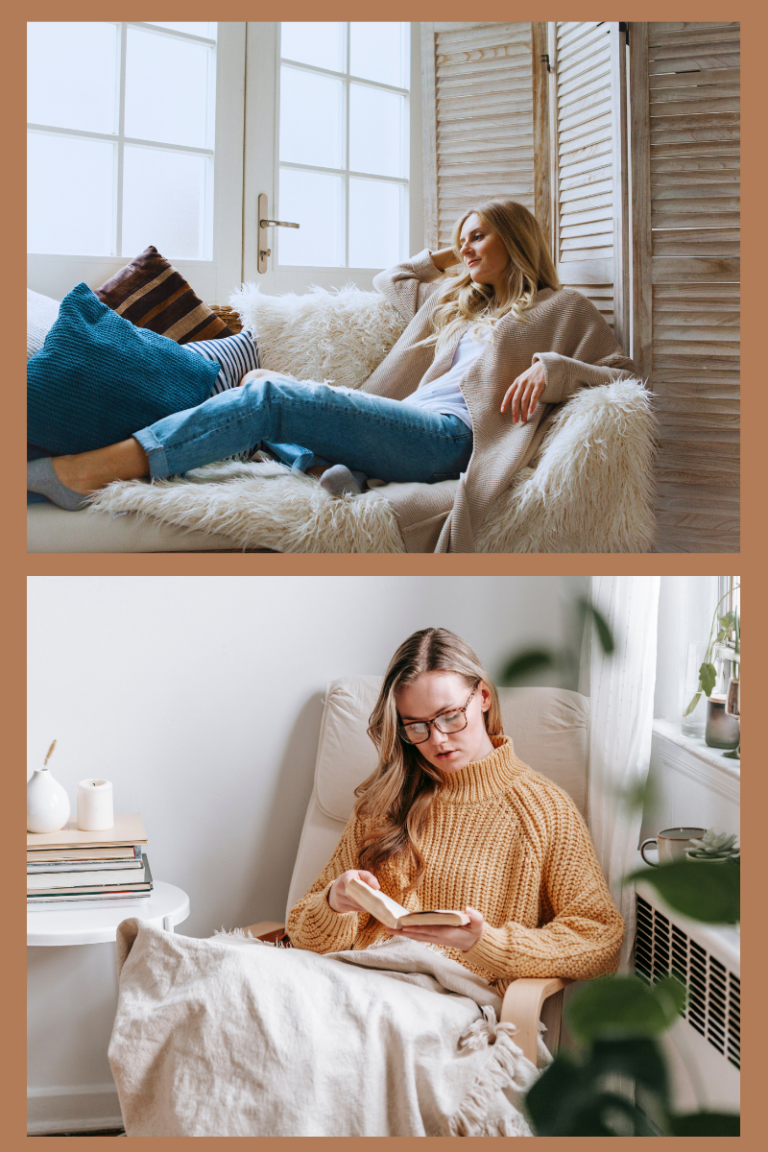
(67, 65)
(82, 142)
(70, 192)
(345, 127)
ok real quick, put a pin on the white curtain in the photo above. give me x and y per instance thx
(621, 691)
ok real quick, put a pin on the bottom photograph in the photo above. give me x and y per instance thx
(383, 856)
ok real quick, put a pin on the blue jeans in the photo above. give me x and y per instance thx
(372, 434)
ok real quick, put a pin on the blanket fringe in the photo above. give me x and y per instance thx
(505, 1068)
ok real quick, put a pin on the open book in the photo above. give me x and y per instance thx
(389, 912)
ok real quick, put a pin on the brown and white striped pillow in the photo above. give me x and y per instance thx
(152, 294)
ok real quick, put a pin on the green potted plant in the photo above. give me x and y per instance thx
(720, 630)
(714, 847)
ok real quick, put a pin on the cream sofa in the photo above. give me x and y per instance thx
(591, 489)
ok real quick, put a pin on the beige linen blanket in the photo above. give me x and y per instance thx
(232, 1037)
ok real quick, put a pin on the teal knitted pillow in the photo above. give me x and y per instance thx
(98, 378)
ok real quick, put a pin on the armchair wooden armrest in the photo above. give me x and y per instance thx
(522, 1005)
(268, 930)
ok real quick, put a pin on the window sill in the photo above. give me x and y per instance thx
(705, 761)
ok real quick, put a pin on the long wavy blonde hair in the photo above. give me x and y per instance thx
(395, 799)
(530, 269)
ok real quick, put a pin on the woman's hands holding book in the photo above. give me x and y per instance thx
(461, 938)
(524, 392)
(338, 896)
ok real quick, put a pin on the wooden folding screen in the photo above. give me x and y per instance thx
(588, 143)
(644, 220)
(484, 104)
(685, 85)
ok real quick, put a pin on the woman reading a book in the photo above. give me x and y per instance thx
(452, 819)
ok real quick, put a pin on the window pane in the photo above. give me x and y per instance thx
(166, 89)
(199, 29)
(314, 200)
(164, 203)
(376, 131)
(70, 193)
(379, 52)
(311, 118)
(72, 76)
(375, 223)
(321, 44)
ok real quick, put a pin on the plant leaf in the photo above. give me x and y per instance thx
(619, 1007)
(706, 1124)
(708, 891)
(556, 1096)
(692, 705)
(639, 1058)
(602, 627)
(526, 662)
(707, 678)
(608, 1114)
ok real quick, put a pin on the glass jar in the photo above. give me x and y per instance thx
(722, 730)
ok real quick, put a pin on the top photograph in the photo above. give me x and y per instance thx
(383, 287)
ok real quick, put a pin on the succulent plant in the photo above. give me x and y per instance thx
(713, 846)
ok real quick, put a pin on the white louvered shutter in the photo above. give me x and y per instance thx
(479, 120)
(588, 142)
(690, 272)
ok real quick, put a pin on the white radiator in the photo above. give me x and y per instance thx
(703, 1048)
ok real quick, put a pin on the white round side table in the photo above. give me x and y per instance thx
(77, 923)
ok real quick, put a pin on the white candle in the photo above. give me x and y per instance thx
(94, 805)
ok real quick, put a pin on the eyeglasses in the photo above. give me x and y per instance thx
(447, 722)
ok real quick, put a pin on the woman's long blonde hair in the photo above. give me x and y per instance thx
(395, 799)
(530, 269)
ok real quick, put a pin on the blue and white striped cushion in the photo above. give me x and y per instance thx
(236, 354)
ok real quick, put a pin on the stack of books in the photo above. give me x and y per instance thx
(72, 865)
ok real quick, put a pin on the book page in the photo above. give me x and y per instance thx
(384, 908)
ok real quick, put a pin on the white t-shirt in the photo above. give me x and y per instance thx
(443, 394)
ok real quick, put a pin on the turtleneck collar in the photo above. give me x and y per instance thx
(481, 779)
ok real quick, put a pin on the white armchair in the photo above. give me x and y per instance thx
(549, 728)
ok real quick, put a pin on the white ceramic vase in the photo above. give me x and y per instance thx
(47, 802)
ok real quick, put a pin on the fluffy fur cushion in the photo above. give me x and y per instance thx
(600, 446)
(592, 488)
(337, 337)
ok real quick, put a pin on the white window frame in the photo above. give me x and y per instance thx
(212, 279)
(347, 79)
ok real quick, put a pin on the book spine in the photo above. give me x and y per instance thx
(120, 899)
(55, 867)
(70, 855)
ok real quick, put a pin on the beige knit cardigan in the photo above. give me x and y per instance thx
(563, 331)
(504, 840)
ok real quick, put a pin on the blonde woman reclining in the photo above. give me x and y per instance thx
(463, 395)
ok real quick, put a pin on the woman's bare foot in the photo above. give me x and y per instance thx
(88, 471)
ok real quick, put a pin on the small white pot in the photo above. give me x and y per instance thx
(47, 803)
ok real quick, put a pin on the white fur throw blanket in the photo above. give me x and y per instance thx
(591, 491)
(232, 1037)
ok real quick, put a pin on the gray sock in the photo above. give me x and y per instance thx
(41, 478)
(342, 481)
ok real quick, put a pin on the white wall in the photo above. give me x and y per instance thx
(200, 699)
(686, 604)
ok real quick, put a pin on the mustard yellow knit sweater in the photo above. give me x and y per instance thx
(508, 842)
